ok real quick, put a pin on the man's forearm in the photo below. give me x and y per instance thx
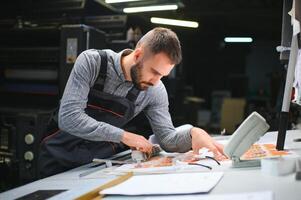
(179, 141)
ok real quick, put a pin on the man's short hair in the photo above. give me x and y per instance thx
(163, 40)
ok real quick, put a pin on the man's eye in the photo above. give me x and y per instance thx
(156, 73)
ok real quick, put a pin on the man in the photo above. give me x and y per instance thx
(106, 90)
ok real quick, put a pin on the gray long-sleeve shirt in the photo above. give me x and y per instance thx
(153, 102)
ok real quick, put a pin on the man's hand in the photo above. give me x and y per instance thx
(200, 139)
(136, 141)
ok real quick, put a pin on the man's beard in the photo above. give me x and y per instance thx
(136, 77)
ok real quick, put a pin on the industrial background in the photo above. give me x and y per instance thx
(217, 84)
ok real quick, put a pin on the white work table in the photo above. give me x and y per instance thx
(233, 181)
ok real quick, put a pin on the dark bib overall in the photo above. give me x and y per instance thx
(62, 151)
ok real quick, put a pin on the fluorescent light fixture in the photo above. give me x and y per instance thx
(238, 39)
(174, 22)
(150, 8)
(120, 1)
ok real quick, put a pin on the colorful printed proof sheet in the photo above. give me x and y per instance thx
(263, 151)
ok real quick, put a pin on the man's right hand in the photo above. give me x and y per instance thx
(136, 141)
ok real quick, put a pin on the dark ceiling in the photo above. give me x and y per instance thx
(257, 18)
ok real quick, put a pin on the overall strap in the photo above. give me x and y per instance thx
(133, 94)
(100, 81)
(99, 84)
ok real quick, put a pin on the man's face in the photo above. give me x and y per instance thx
(149, 70)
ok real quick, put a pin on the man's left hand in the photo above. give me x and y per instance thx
(201, 138)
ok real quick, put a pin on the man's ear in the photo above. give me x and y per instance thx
(138, 54)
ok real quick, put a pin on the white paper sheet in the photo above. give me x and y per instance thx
(185, 183)
(262, 195)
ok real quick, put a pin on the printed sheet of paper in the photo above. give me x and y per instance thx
(263, 151)
(184, 183)
(170, 163)
(262, 195)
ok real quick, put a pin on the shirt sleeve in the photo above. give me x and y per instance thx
(72, 117)
(157, 112)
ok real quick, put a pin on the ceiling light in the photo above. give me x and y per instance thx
(174, 22)
(120, 1)
(238, 39)
(150, 8)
